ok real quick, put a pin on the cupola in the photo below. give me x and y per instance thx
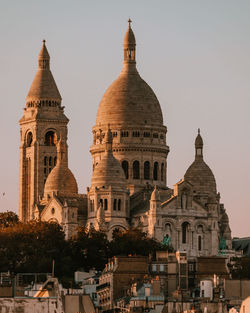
(61, 181)
(199, 174)
(43, 90)
(109, 171)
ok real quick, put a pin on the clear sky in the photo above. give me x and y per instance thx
(194, 54)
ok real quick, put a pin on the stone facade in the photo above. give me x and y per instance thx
(129, 182)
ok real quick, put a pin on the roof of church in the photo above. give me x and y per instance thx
(199, 173)
(43, 86)
(129, 100)
(108, 172)
(61, 180)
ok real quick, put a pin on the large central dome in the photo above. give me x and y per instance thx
(129, 100)
(132, 112)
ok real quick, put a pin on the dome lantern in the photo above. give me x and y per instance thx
(44, 58)
(198, 145)
(129, 45)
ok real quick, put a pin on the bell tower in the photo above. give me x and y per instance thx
(41, 126)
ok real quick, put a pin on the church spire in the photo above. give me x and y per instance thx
(43, 91)
(198, 146)
(129, 45)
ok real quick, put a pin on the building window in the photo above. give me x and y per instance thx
(119, 204)
(29, 139)
(184, 228)
(199, 243)
(114, 204)
(146, 134)
(50, 138)
(155, 135)
(125, 168)
(45, 161)
(156, 166)
(153, 267)
(105, 204)
(52, 211)
(136, 134)
(136, 170)
(55, 159)
(124, 133)
(146, 170)
(114, 134)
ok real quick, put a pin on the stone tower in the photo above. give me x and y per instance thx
(42, 124)
(132, 111)
(108, 205)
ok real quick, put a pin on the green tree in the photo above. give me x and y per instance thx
(133, 242)
(90, 249)
(31, 247)
(240, 269)
(8, 219)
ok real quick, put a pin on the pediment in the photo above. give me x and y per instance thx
(52, 211)
(171, 207)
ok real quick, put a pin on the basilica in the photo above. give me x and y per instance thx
(129, 155)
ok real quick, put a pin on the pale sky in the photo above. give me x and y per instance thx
(194, 54)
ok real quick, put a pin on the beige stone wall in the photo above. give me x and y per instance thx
(41, 305)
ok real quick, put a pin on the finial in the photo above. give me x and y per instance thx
(44, 41)
(129, 22)
(198, 131)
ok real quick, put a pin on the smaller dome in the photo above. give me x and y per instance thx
(61, 180)
(199, 174)
(108, 172)
(201, 177)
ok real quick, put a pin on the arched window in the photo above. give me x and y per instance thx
(184, 228)
(29, 139)
(50, 161)
(146, 170)
(55, 158)
(114, 204)
(199, 243)
(119, 204)
(105, 204)
(50, 138)
(45, 161)
(136, 170)
(162, 171)
(156, 166)
(125, 168)
(168, 229)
